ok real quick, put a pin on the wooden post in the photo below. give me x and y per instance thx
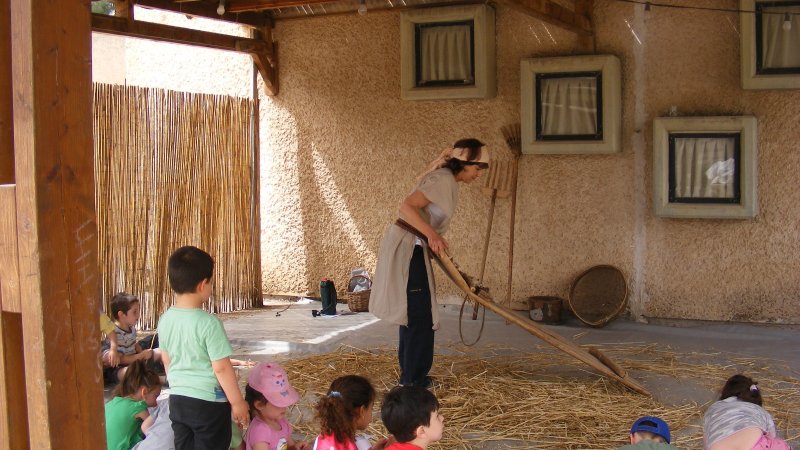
(6, 135)
(56, 222)
(13, 408)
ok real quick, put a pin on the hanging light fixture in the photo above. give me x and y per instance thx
(787, 22)
(362, 7)
(221, 7)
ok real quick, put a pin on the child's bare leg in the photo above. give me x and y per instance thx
(121, 373)
(157, 354)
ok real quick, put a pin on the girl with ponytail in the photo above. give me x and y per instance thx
(344, 410)
(738, 422)
(126, 414)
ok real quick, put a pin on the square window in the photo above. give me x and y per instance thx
(447, 53)
(571, 105)
(770, 40)
(444, 54)
(704, 167)
(777, 44)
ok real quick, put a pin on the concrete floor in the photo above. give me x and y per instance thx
(275, 330)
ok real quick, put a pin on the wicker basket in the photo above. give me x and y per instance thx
(358, 301)
(598, 295)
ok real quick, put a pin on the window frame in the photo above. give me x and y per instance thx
(666, 129)
(753, 76)
(609, 99)
(483, 52)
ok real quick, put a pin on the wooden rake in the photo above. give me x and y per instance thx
(593, 358)
(501, 182)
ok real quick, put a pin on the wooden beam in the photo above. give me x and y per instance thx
(13, 407)
(9, 256)
(553, 13)
(259, 5)
(6, 127)
(198, 9)
(584, 8)
(177, 35)
(56, 222)
(267, 63)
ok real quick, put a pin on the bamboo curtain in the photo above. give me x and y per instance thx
(174, 169)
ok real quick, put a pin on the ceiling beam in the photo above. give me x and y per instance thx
(263, 52)
(257, 5)
(177, 35)
(197, 9)
(554, 14)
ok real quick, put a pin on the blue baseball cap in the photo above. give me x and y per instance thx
(653, 425)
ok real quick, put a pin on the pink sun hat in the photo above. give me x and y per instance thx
(271, 381)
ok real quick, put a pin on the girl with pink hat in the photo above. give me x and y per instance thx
(269, 394)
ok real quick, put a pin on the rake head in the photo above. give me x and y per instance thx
(513, 136)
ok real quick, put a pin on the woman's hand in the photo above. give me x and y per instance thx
(436, 242)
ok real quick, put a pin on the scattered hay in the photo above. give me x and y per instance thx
(502, 398)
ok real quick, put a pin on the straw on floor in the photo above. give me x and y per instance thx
(509, 399)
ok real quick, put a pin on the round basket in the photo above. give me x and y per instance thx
(358, 301)
(598, 295)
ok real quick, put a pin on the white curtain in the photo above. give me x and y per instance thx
(705, 167)
(569, 105)
(780, 48)
(445, 53)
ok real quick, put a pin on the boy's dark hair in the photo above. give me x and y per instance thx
(137, 375)
(121, 302)
(251, 396)
(743, 388)
(187, 267)
(474, 146)
(405, 408)
(337, 410)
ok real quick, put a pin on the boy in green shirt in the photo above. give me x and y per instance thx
(196, 354)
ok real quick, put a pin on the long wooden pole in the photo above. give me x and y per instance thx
(556, 340)
(514, 168)
(486, 245)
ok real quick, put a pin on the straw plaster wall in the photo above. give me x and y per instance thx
(340, 150)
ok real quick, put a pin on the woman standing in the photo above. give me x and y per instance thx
(403, 290)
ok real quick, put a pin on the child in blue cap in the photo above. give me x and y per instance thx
(649, 433)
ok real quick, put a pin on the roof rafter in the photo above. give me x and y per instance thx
(250, 18)
(261, 50)
(260, 5)
(555, 14)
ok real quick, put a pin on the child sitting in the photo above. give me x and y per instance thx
(126, 414)
(269, 393)
(411, 414)
(649, 433)
(737, 421)
(110, 357)
(160, 435)
(345, 409)
(125, 310)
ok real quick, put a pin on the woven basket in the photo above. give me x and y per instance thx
(598, 295)
(358, 301)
